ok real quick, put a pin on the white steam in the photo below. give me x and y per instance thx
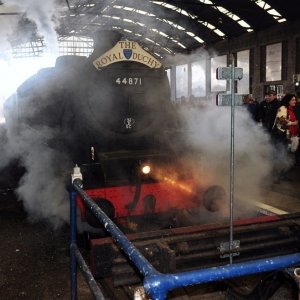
(14, 71)
(43, 187)
(42, 13)
(7, 27)
(209, 130)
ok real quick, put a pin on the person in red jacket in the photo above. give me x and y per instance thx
(286, 121)
(285, 134)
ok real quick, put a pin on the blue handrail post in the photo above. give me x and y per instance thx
(73, 241)
(157, 285)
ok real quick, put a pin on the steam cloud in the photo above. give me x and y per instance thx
(42, 189)
(210, 132)
(42, 13)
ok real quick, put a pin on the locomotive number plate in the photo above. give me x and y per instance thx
(128, 80)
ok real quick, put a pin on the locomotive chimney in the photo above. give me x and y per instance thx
(103, 41)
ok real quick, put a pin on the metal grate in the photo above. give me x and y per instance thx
(80, 46)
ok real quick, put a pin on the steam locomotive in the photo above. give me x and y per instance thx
(111, 115)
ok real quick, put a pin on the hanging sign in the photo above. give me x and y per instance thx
(126, 51)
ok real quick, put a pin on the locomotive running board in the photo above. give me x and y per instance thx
(197, 247)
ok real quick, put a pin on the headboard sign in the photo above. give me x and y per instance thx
(126, 51)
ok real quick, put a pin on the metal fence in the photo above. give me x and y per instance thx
(156, 284)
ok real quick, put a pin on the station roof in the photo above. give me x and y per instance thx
(163, 27)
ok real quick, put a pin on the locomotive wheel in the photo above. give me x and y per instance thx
(107, 207)
(214, 197)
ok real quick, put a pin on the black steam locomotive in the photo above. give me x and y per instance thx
(111, 115)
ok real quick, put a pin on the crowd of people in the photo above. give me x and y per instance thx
(279, 118)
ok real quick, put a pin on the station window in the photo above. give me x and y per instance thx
(169, 75)
(181, 82)
(216, 62)
(243, 58)
(198, 88)
(273, 62)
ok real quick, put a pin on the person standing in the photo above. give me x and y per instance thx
(251, 106)
(284, 135)
(268, 110)
(286, 121)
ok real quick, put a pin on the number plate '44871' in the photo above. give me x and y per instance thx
(128, 81)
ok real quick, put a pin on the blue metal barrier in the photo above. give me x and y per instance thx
(76, 257)
(156, 284)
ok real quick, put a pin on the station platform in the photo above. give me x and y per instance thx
(284, 195)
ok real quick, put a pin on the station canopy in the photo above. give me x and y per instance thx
(162, 27)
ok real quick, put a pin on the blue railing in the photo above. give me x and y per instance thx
(156, 284)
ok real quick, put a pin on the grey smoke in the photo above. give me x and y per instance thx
(42, 13)
(209, 130)
(7, 27)
(42, 189)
